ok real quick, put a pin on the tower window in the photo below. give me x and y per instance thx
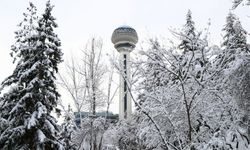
(125, 83)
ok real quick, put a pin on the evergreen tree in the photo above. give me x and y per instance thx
(231, 82)
(153, 66)
(236, 3)
(154, 73)
(240, 37)
(190, 71)
(68, 129)
(229, 31)
(192, 60)
(27, 106)
(188, 35)
(234, 41)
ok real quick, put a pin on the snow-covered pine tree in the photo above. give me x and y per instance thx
(240, 67)
(235, 49)
(151, 98)
(231, 78)
(236, 3)
(153, 72)
(225, 56)
(188, 77)
(27, 106)
(68, 129)
(232, 40)
(229, 30)
(153, 66)
(188, 34)
(193, 50)
(14, 128)
(240, 37)
(237, 76)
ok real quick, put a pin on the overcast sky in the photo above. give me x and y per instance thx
(80, 20)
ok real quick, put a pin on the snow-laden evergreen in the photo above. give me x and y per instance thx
(32, 95)
(153, 72)
(236, 3)
(232, 84)
(68, 130)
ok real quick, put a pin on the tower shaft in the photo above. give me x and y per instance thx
(125, 105)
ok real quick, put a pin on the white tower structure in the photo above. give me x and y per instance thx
(124, 39)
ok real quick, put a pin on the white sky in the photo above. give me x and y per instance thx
(80, 20)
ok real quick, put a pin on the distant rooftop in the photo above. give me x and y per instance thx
(112, 117)
(98, 114)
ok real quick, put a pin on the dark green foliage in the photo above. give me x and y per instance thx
(32, 94)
